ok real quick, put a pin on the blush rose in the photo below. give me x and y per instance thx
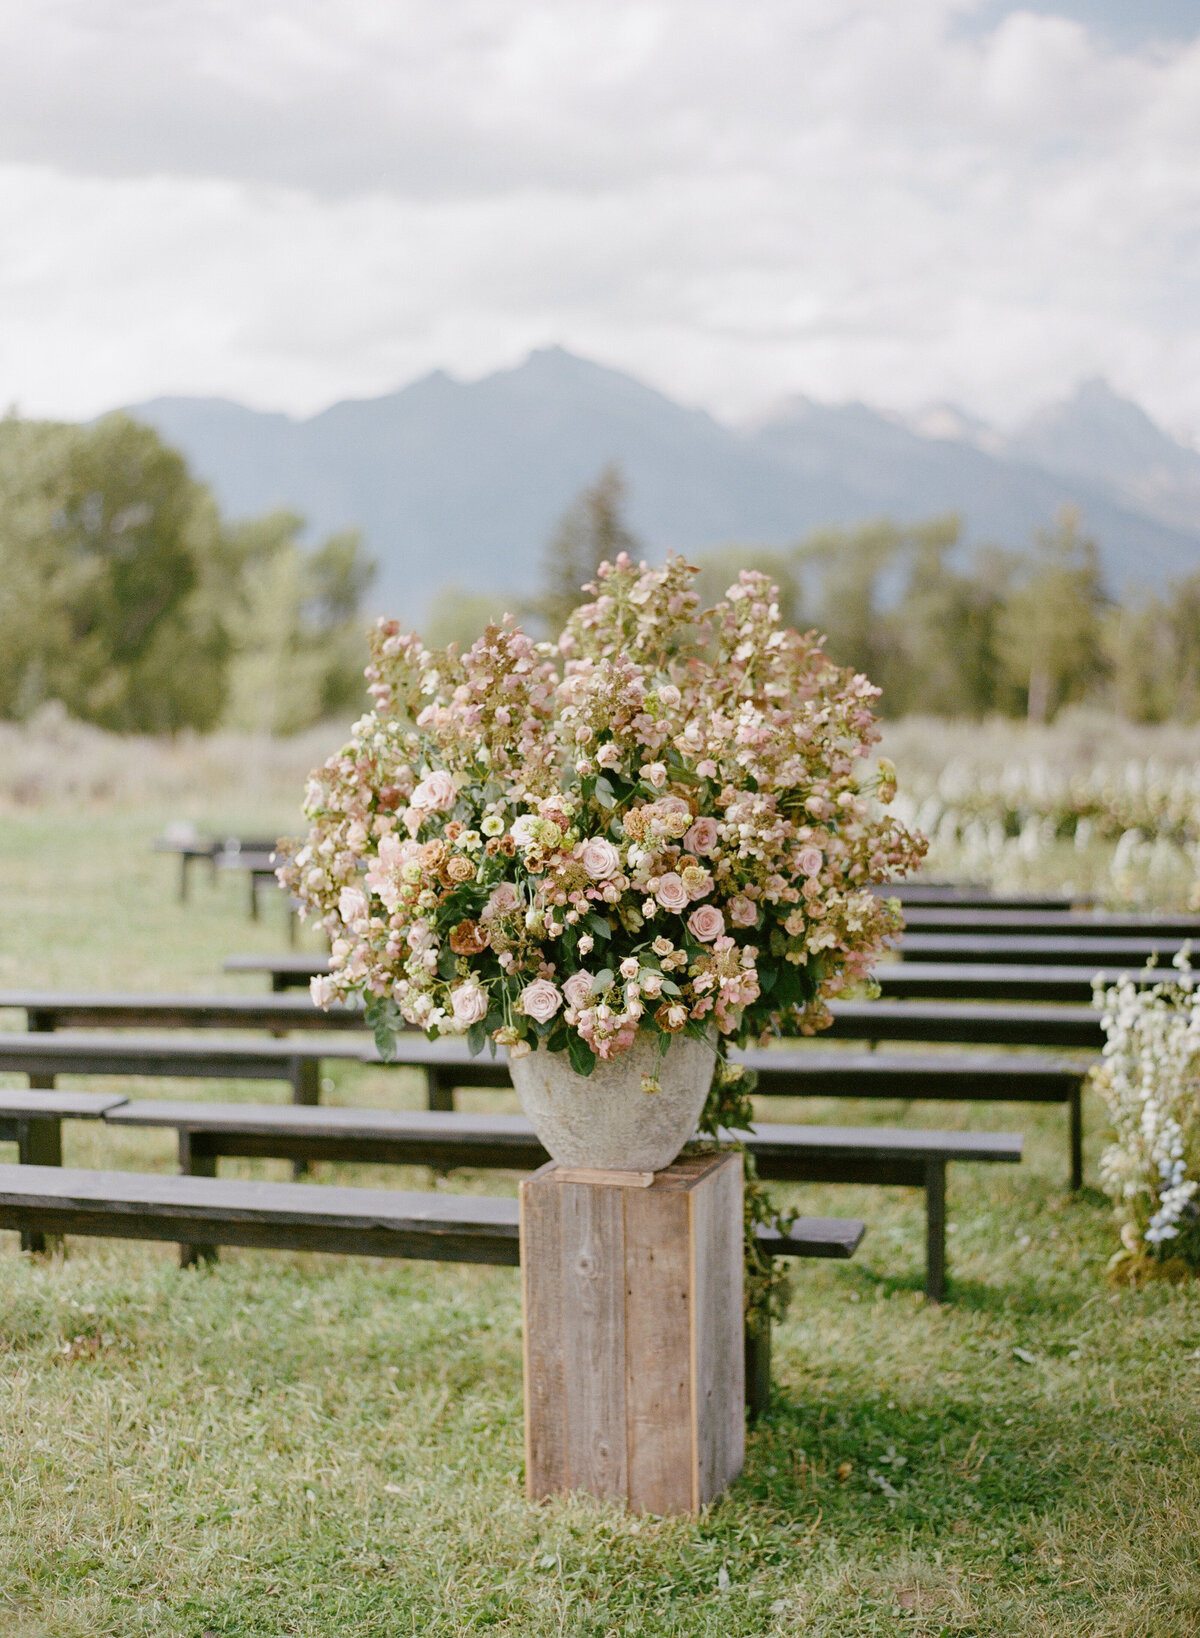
(436, 793)
(706, 923)
(600, 859)
(671, 893)
(540, 1000)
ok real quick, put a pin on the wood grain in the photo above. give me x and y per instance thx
(658, 1303)
(718, 1357)
(593, 1283)
(544, 1360)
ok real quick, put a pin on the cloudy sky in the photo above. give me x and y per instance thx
(293, 201)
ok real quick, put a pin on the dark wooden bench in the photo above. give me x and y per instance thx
(188, 851)
(973, 896)
(998, 981)
(796, 1154)
(286, 972)
(1036, 924)
(210, 1211)
(995, 1023)
(33, 1121)
(1050, 949)
(962, 1022)
(44, 1056)
(804, 1071)
(48, 1010)
(808, 1072)
(923, 980)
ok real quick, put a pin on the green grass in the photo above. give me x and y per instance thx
(301, 1445)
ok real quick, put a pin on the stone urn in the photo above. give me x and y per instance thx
(606, 1120)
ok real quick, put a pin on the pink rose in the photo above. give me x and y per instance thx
(436, 793)
(352, 905)
(671, 893)
(504, 899)
(707, 769)
(578, 989)
(702, 838)
(742, 912)
(706, 923)
(609, 755)
(540, 1000)
(524, 829)
(600, 859)
(655, 773)
(469, 1004)
(810, 861)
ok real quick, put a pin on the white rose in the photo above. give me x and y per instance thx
(469, 1003)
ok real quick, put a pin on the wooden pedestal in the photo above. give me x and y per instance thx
(634, 1367)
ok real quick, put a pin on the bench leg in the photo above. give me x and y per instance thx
(39, 1143)
(194, 1162)
(758, 1370)
(440, 1091)
(1076, 1124)
(184, 861)
(306, 1089)
(253, 897)
(935, 1230)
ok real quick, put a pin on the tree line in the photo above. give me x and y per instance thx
(127, 597)
(943, 629)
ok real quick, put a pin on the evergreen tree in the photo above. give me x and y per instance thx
(592, 530)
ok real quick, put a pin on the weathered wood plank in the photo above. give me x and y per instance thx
(593, 1286)
(718, 1329)
(544, 1357)
(658, 1306)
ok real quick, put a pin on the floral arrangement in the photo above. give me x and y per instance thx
(1149, 1077)
(663, 822)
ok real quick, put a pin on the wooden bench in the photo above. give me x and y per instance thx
(210, 1211)
(1051, 949)
(803, 1071)
(973, 896)
(796, 1154)
(809, 1072)
(44, 1056)
(33, 1122)
(898, 980)
(998, 981)
(47, 1010)
(921, 918)
(994, 1024)
(286, 972)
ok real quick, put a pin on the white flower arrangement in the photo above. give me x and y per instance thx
(1149, 1078)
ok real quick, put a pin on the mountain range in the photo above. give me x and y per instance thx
(461, 483)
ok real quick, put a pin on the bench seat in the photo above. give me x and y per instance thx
(784, 1153)
(459, 1228)
(986, 1023)
(1058, 949)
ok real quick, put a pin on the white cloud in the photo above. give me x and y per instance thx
(303, 200)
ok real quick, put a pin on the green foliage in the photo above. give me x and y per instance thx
(106, 544)
(123, 595)
(1049, 630)
(293, 617)
(592, 531)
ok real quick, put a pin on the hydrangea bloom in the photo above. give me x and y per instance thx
(661, 822)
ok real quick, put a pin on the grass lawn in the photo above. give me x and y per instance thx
(286, 1444)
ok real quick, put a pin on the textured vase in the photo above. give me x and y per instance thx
(605, 1120)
